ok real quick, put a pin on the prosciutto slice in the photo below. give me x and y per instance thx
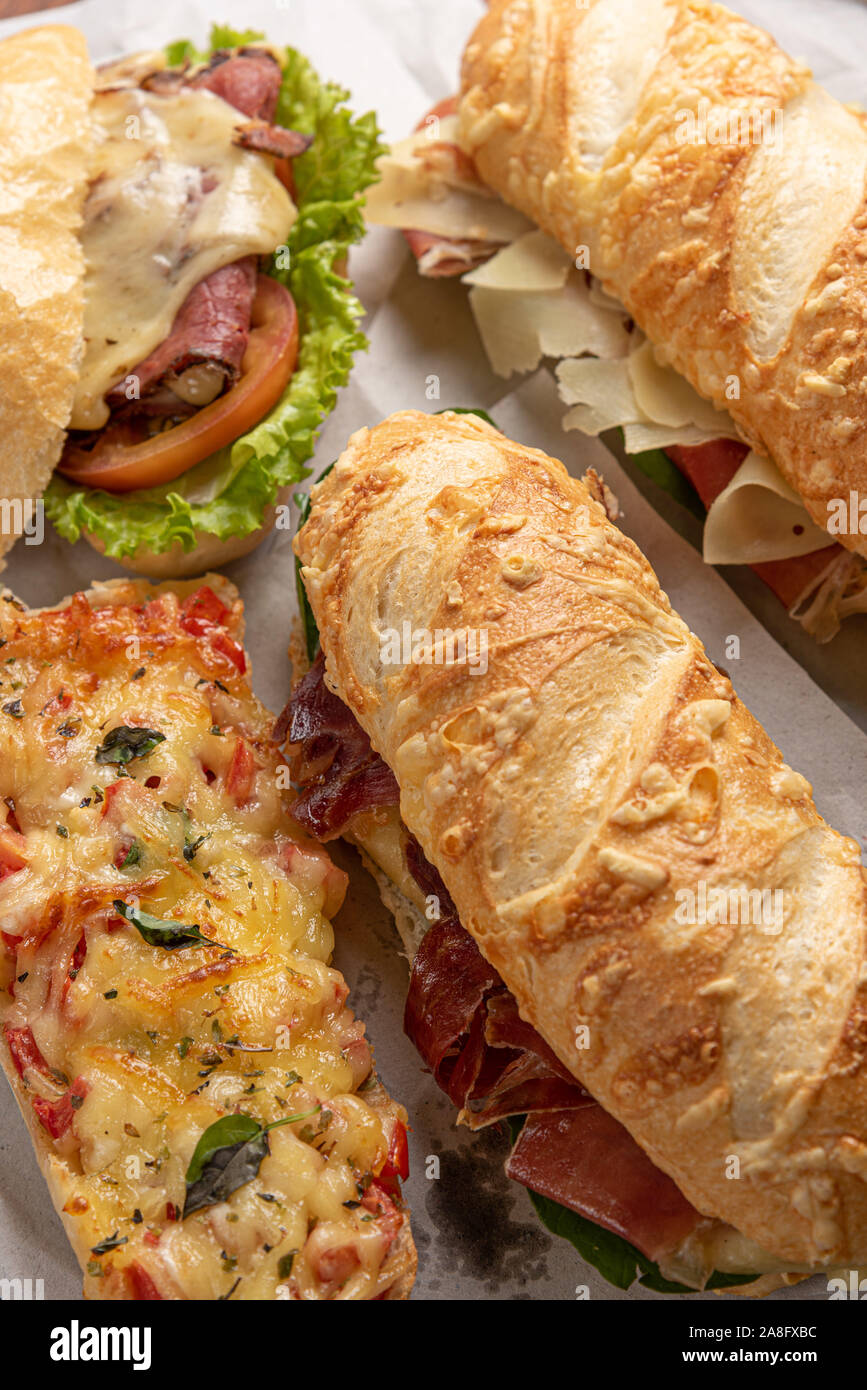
(339, 772)
(585, 1160)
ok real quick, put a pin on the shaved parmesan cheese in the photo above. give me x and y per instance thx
(533, 262)
(759, 517)
(666, 398)
(518, 329)
(638, 437)
(603, 299)
(401, 199)
(438, 196)
(600, 392)
(654, 406)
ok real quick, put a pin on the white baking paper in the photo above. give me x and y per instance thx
(477, 1235)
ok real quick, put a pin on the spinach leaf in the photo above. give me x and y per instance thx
(161, 931)
(308, 622)
(228, 1155)
(656, 465)
(124, 744)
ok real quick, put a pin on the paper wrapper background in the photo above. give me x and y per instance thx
(476, 1232)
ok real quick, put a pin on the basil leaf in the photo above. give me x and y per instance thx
(230, 1130)
(124, 744)
(161, 931)
(228, 1169)
(228, 1155)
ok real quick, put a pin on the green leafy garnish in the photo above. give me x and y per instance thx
(192, 847)
(227, 494)
(133, 855)
(110, 1243)
(162, 931)
(228, 1155)
(124, 744)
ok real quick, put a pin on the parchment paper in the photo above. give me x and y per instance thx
(476, 1232)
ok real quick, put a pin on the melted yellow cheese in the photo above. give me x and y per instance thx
(168, 1041)
(171, 200)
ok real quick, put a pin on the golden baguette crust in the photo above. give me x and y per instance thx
(46, 84)
(579, 791)
(742, 255)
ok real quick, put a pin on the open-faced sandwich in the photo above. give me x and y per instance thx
(654, 193)
(632, 934)
(175, 318)
(201, 1099)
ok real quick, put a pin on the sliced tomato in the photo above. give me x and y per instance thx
(11, 858)
(241, 774)
(202, 610)
(24, 1052)
(141, 1285)
(201, 614)
(57, 1115)
(396, 1167)
(119, 462)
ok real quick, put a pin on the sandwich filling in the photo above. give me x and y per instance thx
(184, 198)
(466, 1025)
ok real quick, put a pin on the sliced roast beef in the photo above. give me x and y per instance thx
(202, 355)
(247, 78)
(272, 139)
(211, 328)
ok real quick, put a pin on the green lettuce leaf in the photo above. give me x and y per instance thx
(228, 493)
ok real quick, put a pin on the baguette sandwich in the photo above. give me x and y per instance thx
(201, 1100)
(174, 318)
(662, 168)
(631, 931)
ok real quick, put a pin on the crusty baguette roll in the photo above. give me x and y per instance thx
(601, 768)
(720, 193)
(46, 85)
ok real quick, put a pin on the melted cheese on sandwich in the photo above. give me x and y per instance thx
(136, 769)
(171, 200)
